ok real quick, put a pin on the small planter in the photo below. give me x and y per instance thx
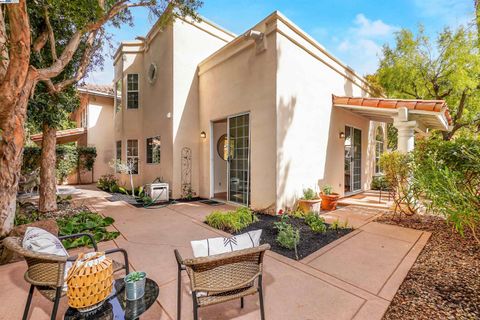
(135, 285)
(309, 205)
(329, 201)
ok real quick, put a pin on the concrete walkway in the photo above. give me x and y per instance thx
(354, 277)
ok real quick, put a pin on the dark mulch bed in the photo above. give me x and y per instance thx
(444, 282)
(114, 197)
(309, 240)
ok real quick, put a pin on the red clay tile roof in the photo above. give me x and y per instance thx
(101, 88)
(424, 105)
(60, 134)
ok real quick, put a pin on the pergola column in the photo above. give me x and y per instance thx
(406, 135)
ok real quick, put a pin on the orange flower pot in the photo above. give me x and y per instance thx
(329, 201)
(309, 205)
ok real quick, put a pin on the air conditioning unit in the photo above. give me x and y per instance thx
(157, 191)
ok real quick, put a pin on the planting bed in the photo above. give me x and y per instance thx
(309, 240)
(444, 282)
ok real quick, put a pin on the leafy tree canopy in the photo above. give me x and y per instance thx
(446, 68)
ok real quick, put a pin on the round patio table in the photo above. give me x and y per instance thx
(116, 306)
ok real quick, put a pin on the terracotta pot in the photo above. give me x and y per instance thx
(309, 205)
(329, 201)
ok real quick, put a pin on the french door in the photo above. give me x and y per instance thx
(238, 161)
(353, 159)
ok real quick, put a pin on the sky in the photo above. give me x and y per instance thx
(352, 30)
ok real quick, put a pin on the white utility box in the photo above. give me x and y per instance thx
(157, 191)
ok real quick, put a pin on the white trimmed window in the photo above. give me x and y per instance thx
(153, 150)
(118, 95)
(132, 91)
(132, 154)
(379, 148)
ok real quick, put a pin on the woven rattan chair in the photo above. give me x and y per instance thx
(223, 277)
(46, 271)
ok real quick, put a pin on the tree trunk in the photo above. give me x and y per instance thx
(48, 188)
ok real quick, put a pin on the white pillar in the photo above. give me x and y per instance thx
(406, 135)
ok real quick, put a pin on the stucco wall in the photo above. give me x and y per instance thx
(309, 150)
(191, 45)
(99, 135)
(243, 82)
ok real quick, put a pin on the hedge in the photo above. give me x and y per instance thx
(70, 158)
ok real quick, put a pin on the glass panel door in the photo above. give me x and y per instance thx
(353, 159)
(238, 159)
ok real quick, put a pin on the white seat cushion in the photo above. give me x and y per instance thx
(212, 246)
(42, 241)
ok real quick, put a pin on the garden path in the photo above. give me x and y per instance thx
(354, 277)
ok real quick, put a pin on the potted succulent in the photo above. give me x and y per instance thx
(135, 285)
(309, 202)
(329, 198)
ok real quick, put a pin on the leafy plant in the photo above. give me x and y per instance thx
(231, 221)
(297, 214)
(379, 183)
(315, 222)
(135, 276)
(448, 174)
(327, 189)
(64, 199)
(309, 194)
(89, 222)
(107, 182)
(288, 237)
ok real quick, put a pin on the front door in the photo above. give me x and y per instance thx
(353, 159)
(239, 159)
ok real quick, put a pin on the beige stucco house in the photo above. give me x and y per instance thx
(94, 128)
(248, 119)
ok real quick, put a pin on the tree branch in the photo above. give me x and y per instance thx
(40, 42)
(19, 56)
(57, 67)
(461, 107)
(84, 63)
(3, 46)
(51, 36)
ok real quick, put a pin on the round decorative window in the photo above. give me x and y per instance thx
(152, 73)
(222, 146)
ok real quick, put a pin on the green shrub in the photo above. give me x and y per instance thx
(315, 222)
(448, 174)
(379, 183)
(108, 182)
(89, 222)
(309, 194)
(288, 237)
(231, 221)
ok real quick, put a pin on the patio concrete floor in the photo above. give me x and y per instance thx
(354, 277)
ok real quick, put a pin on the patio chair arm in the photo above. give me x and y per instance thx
(125, 257)
(78, 235)
(179, 259)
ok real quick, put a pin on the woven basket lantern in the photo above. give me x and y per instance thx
(90, 280)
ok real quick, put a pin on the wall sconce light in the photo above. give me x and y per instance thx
(203, 135)
(342, 135)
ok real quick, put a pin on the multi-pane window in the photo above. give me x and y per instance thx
(379, 147)
(153, 150)
(119, 151)
(132, 155)
(83, 118)
(118, 95)
(132, 91)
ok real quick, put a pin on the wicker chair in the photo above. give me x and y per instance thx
(223, 277)
(46, 271)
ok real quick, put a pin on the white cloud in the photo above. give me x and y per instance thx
(369, 28)
(450, 12)
(361, 45)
